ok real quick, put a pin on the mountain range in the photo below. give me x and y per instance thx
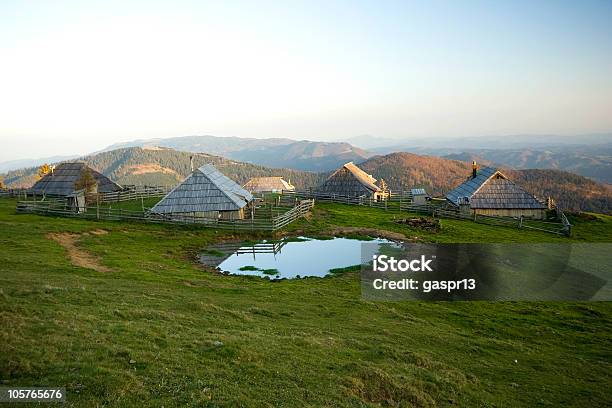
(587, 155)
(593, 161)
(272, 152)
(165, 166)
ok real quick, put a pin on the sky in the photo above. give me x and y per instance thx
(78, 76)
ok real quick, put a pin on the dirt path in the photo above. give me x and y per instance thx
(78, 256)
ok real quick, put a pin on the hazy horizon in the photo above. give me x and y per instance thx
(79, 76)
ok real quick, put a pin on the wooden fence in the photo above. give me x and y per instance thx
(403, 202)
(132, 193)
(394, 199)
(13, 192)
(61, 208)
(559, 228)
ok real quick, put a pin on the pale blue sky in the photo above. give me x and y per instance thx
(77, 76)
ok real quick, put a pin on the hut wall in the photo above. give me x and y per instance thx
(419, 200)
(206, 214)
(380, 195)
(535, 213)
(213, 215)
(232, 215)
(76, 203)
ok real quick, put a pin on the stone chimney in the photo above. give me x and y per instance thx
(474, 169)
(191, 163)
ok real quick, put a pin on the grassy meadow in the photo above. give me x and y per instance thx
(156, 329)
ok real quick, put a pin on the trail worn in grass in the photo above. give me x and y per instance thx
(78, 256)
(159, 330)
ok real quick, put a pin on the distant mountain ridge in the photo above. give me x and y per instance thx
(273, 152)
(164, 166)
(586, 155)
(22, 163)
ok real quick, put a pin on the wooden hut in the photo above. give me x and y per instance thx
(207, 193)
(350, 181)
(419, 196)
(268, 185)
(76, 201)
(64, 177)
(489, 192)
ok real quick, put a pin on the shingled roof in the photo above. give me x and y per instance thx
(263, 184)
(349, 180)
(205, 189)
(62, 179)
(491, 189)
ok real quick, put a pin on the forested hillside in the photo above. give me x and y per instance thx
(161, 166)
(439, 175)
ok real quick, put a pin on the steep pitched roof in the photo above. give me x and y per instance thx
(491, 189)
(261, 184)
(62, 179)
(349, 180)
(206, 189)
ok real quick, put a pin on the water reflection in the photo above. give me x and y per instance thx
(291, 259)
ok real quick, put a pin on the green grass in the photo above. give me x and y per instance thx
(328, 216)
(131, 205)
(203, 339)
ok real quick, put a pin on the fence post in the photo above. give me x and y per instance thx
(97, 206)
(520, 224)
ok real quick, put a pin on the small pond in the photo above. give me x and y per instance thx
(292, 258)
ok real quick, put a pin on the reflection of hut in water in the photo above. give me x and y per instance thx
(268, 185)
(76, 201)
(350, 181)
(489, 192)
(63, 180)
(207, 193)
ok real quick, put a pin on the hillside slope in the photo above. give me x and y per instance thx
(439, 175)
(273, 152)
(158, 166)
(590, 160)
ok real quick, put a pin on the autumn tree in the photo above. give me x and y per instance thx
(2, 182)
(86, 181)
(44, 170)
(383, 185)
